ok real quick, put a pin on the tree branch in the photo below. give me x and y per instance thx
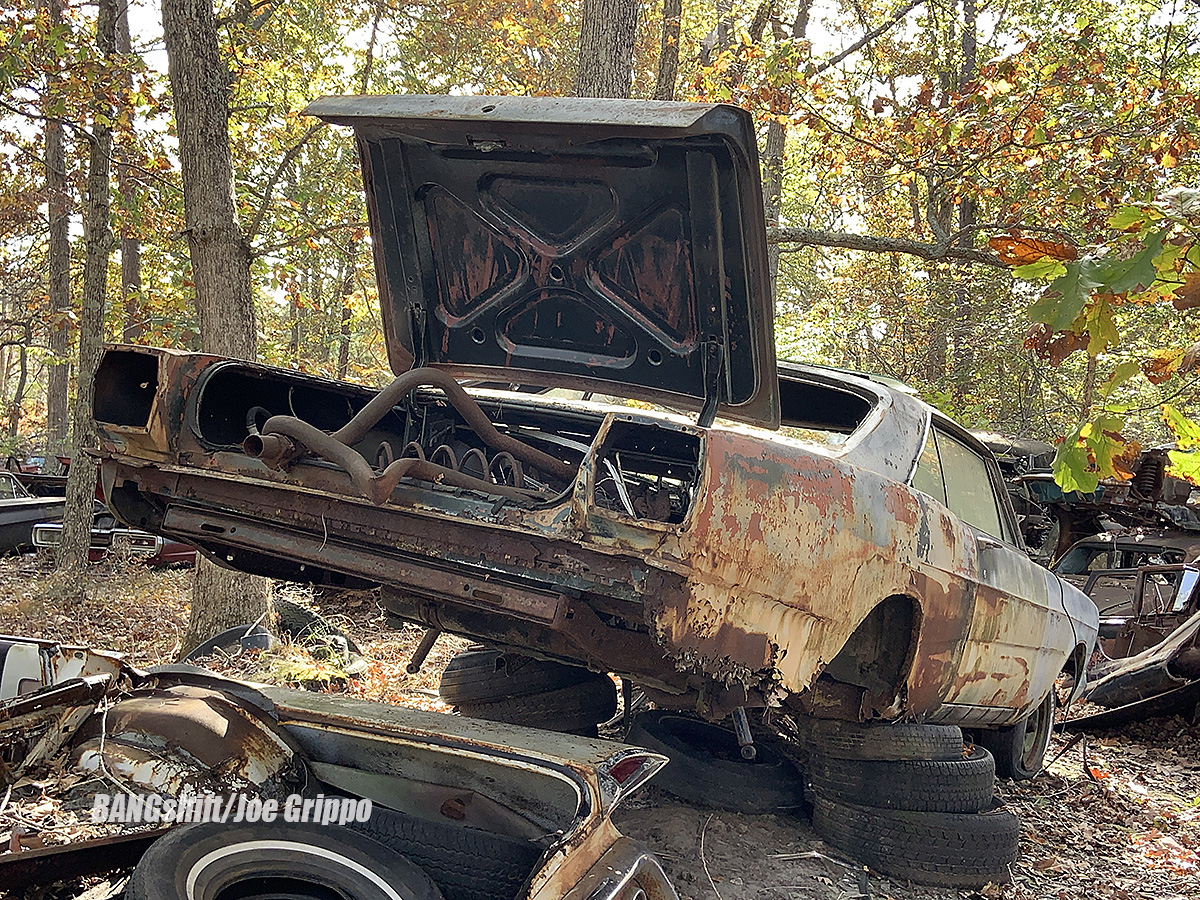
(291, 242)
(868, 37)
(878, 244)
(284, 162)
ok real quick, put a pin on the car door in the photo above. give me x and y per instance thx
(1019, 630)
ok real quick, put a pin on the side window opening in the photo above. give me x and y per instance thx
(968, 488)
(953, 473)
(8, 488)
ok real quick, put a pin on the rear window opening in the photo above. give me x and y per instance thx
(820, 413)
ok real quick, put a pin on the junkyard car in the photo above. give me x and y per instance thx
(668, 504)
(1148, 659)
(480, 812)
(1106, 567)
(110, 538)
(20, 511)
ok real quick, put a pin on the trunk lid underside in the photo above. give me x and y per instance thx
(614, 246)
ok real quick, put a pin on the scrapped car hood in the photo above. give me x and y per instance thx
(608, 245)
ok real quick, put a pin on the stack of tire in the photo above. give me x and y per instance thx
(910, 801)
(490, 684)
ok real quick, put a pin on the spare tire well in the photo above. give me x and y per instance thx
(879, 654)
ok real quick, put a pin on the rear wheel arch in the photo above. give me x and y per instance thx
(880, 652)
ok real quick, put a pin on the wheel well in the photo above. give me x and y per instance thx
(879, 654)
(1074, 667)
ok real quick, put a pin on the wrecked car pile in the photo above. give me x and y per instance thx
(561, 282)
(1147, 662)
(386, 798)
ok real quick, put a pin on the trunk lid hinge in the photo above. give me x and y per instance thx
(714, 370)
(417, 323)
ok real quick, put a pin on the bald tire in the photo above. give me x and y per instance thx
(706, 766)
(887, 740)
(963, 785)
(944, 849)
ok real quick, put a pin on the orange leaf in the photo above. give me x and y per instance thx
(1020, 251)
(1187, 295)
(1098, 774)
(1159, 369)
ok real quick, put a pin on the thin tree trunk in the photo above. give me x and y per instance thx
(72, 550)
(606, 38)
(773, 157)
(22, 347)
(131, 244)
(964, 313)
(668, 57)
(58, 265)
(220, 262)
(344, 292)
(14, 416)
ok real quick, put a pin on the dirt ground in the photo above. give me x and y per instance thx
(1116, 816)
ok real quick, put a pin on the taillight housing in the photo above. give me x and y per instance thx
(624, 773)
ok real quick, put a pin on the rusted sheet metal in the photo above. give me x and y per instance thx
(94, 857)
(187, 738)
(64, 662)
(33, 727)
(785, 549)
(792, 550)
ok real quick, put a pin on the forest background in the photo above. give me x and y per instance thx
(994, 202)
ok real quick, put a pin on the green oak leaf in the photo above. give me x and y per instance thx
(1062, 302)
(1187, 432)
(1185, 465)
(1120, 375)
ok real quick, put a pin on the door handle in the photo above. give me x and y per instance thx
(986, 542)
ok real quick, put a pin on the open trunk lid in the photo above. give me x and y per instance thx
(607, 245)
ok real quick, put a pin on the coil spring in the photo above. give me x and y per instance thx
(503, 468)
(1149, 478)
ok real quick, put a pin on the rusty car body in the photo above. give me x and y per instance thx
(669, 504)
(541, 800)
(1147, 662)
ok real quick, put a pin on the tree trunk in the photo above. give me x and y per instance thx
(72, 550)
(14, 410)
(968, 217)
(606, 38)
(773, 156)
(131, 244)
(58, 266)
(220, 262)
(668, 57)
(344, 292)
